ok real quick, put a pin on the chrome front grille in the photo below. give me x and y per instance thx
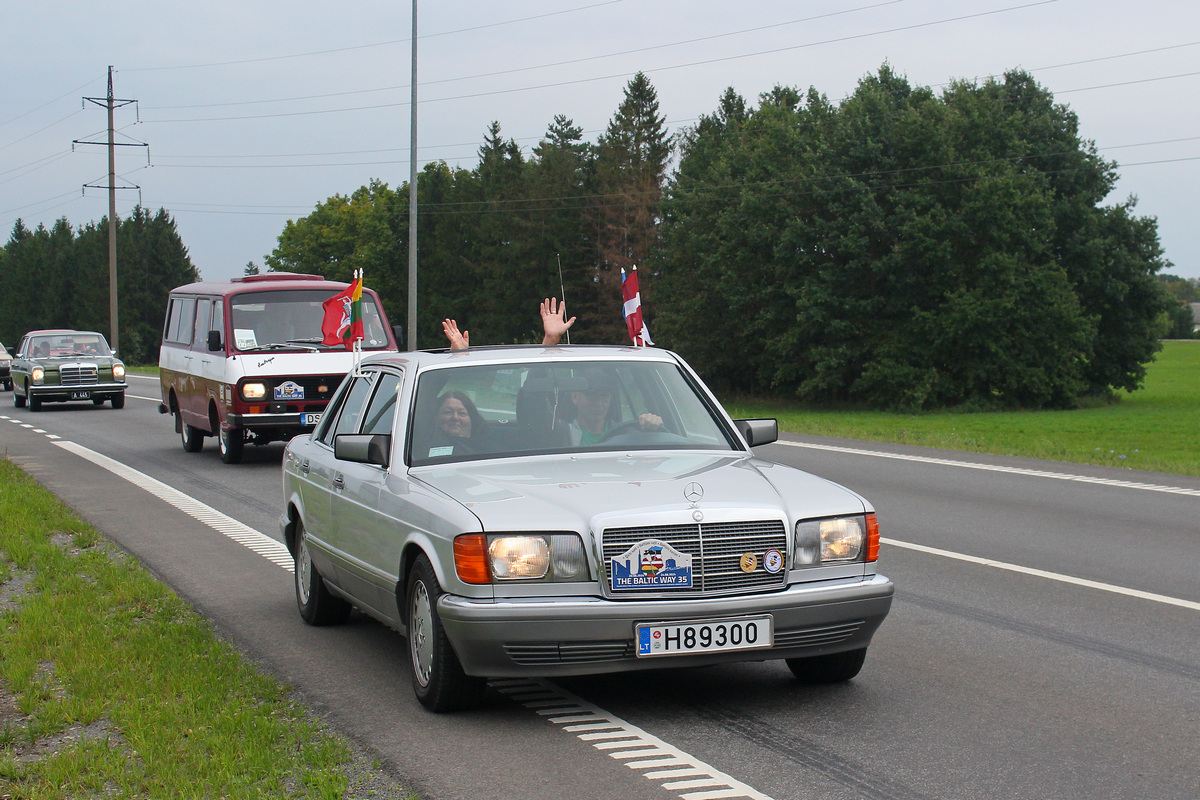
(78, 375)
(716, 550)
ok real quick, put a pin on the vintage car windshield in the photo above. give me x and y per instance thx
(66, 345)
(291, 320)
(467, 413)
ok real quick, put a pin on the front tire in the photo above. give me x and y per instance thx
(192, 438)
(118, 400)
(18, 399)
(833, 668)
(318, 606)
(232, 444)
(438, 678)
(35, 403)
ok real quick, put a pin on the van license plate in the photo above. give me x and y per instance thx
(81, 395)
(310, 419)
(704, 636)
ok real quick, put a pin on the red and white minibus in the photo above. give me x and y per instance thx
(243, 360)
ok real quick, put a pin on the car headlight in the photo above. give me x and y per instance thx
(118, 370)
(38, 374)
(550, 557)
(254, 391)
(824, 541)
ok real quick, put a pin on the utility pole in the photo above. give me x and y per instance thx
(112, 103)
(412, 196)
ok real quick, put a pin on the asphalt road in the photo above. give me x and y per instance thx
(1044, 641)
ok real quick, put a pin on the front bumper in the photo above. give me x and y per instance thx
(587, 635)
(288, 421)
(75, 392)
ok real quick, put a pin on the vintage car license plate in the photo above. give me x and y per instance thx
(81, 395)
(704, 636)
(310, 419)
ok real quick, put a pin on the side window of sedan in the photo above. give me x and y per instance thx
(350, 411)
(382, 410)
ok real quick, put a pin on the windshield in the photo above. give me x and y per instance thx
(479, 412)
(75, 343)
(291, 320)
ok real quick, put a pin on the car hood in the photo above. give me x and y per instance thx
(594, 491)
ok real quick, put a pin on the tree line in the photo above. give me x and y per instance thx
(901, 249)
(59, 278)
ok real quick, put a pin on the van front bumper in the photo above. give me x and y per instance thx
(303, 421)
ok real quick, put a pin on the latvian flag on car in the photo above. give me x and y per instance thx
(343, 316)
(633, 309)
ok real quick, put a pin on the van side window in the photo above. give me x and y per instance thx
(203, 319)
(218, 318)
(179, 323)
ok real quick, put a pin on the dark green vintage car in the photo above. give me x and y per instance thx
(65, 365)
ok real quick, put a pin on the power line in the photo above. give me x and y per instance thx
(378, 44)
(550, 65)
(575, 82)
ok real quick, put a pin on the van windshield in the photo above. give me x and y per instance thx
(291, 320)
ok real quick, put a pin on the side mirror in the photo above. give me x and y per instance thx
(214, 341)
(758, 431)
(363, 448)
(398, 332)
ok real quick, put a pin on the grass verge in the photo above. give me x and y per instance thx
(112, 686)
(1155, 428)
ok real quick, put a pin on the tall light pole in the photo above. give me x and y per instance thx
(412, 195)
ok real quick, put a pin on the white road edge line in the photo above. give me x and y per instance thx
(260, 543)
(1033, 473)
(1041, 573)
(566, 707)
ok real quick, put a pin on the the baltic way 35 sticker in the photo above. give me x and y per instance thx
(651, 564)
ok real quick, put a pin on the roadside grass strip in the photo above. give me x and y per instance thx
(112, 686)
(668, 766)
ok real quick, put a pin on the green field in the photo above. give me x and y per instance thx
(1155, 428)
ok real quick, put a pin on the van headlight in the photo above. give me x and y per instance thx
(254, 391)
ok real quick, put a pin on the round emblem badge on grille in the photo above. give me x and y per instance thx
(693, 492)
(749, 563)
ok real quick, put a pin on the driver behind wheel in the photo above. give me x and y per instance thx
(592, 419)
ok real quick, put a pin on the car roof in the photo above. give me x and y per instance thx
(57, 332)
(265, 282)
(502, 354)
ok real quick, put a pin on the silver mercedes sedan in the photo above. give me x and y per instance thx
(543, 511)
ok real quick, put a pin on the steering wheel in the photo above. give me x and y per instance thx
(625, 427)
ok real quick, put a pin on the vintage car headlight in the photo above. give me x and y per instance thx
(254, 391)
(118, 371)
(38, 374)
(520, 557)
(823, 541)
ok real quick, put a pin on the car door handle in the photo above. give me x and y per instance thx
(304, 466)
(339, 482)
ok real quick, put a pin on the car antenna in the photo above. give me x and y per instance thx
(562, 289)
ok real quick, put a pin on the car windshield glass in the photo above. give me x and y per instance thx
(65, 345)
(492, 411)
(291, 320)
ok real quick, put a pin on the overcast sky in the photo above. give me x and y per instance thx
(257, 110)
